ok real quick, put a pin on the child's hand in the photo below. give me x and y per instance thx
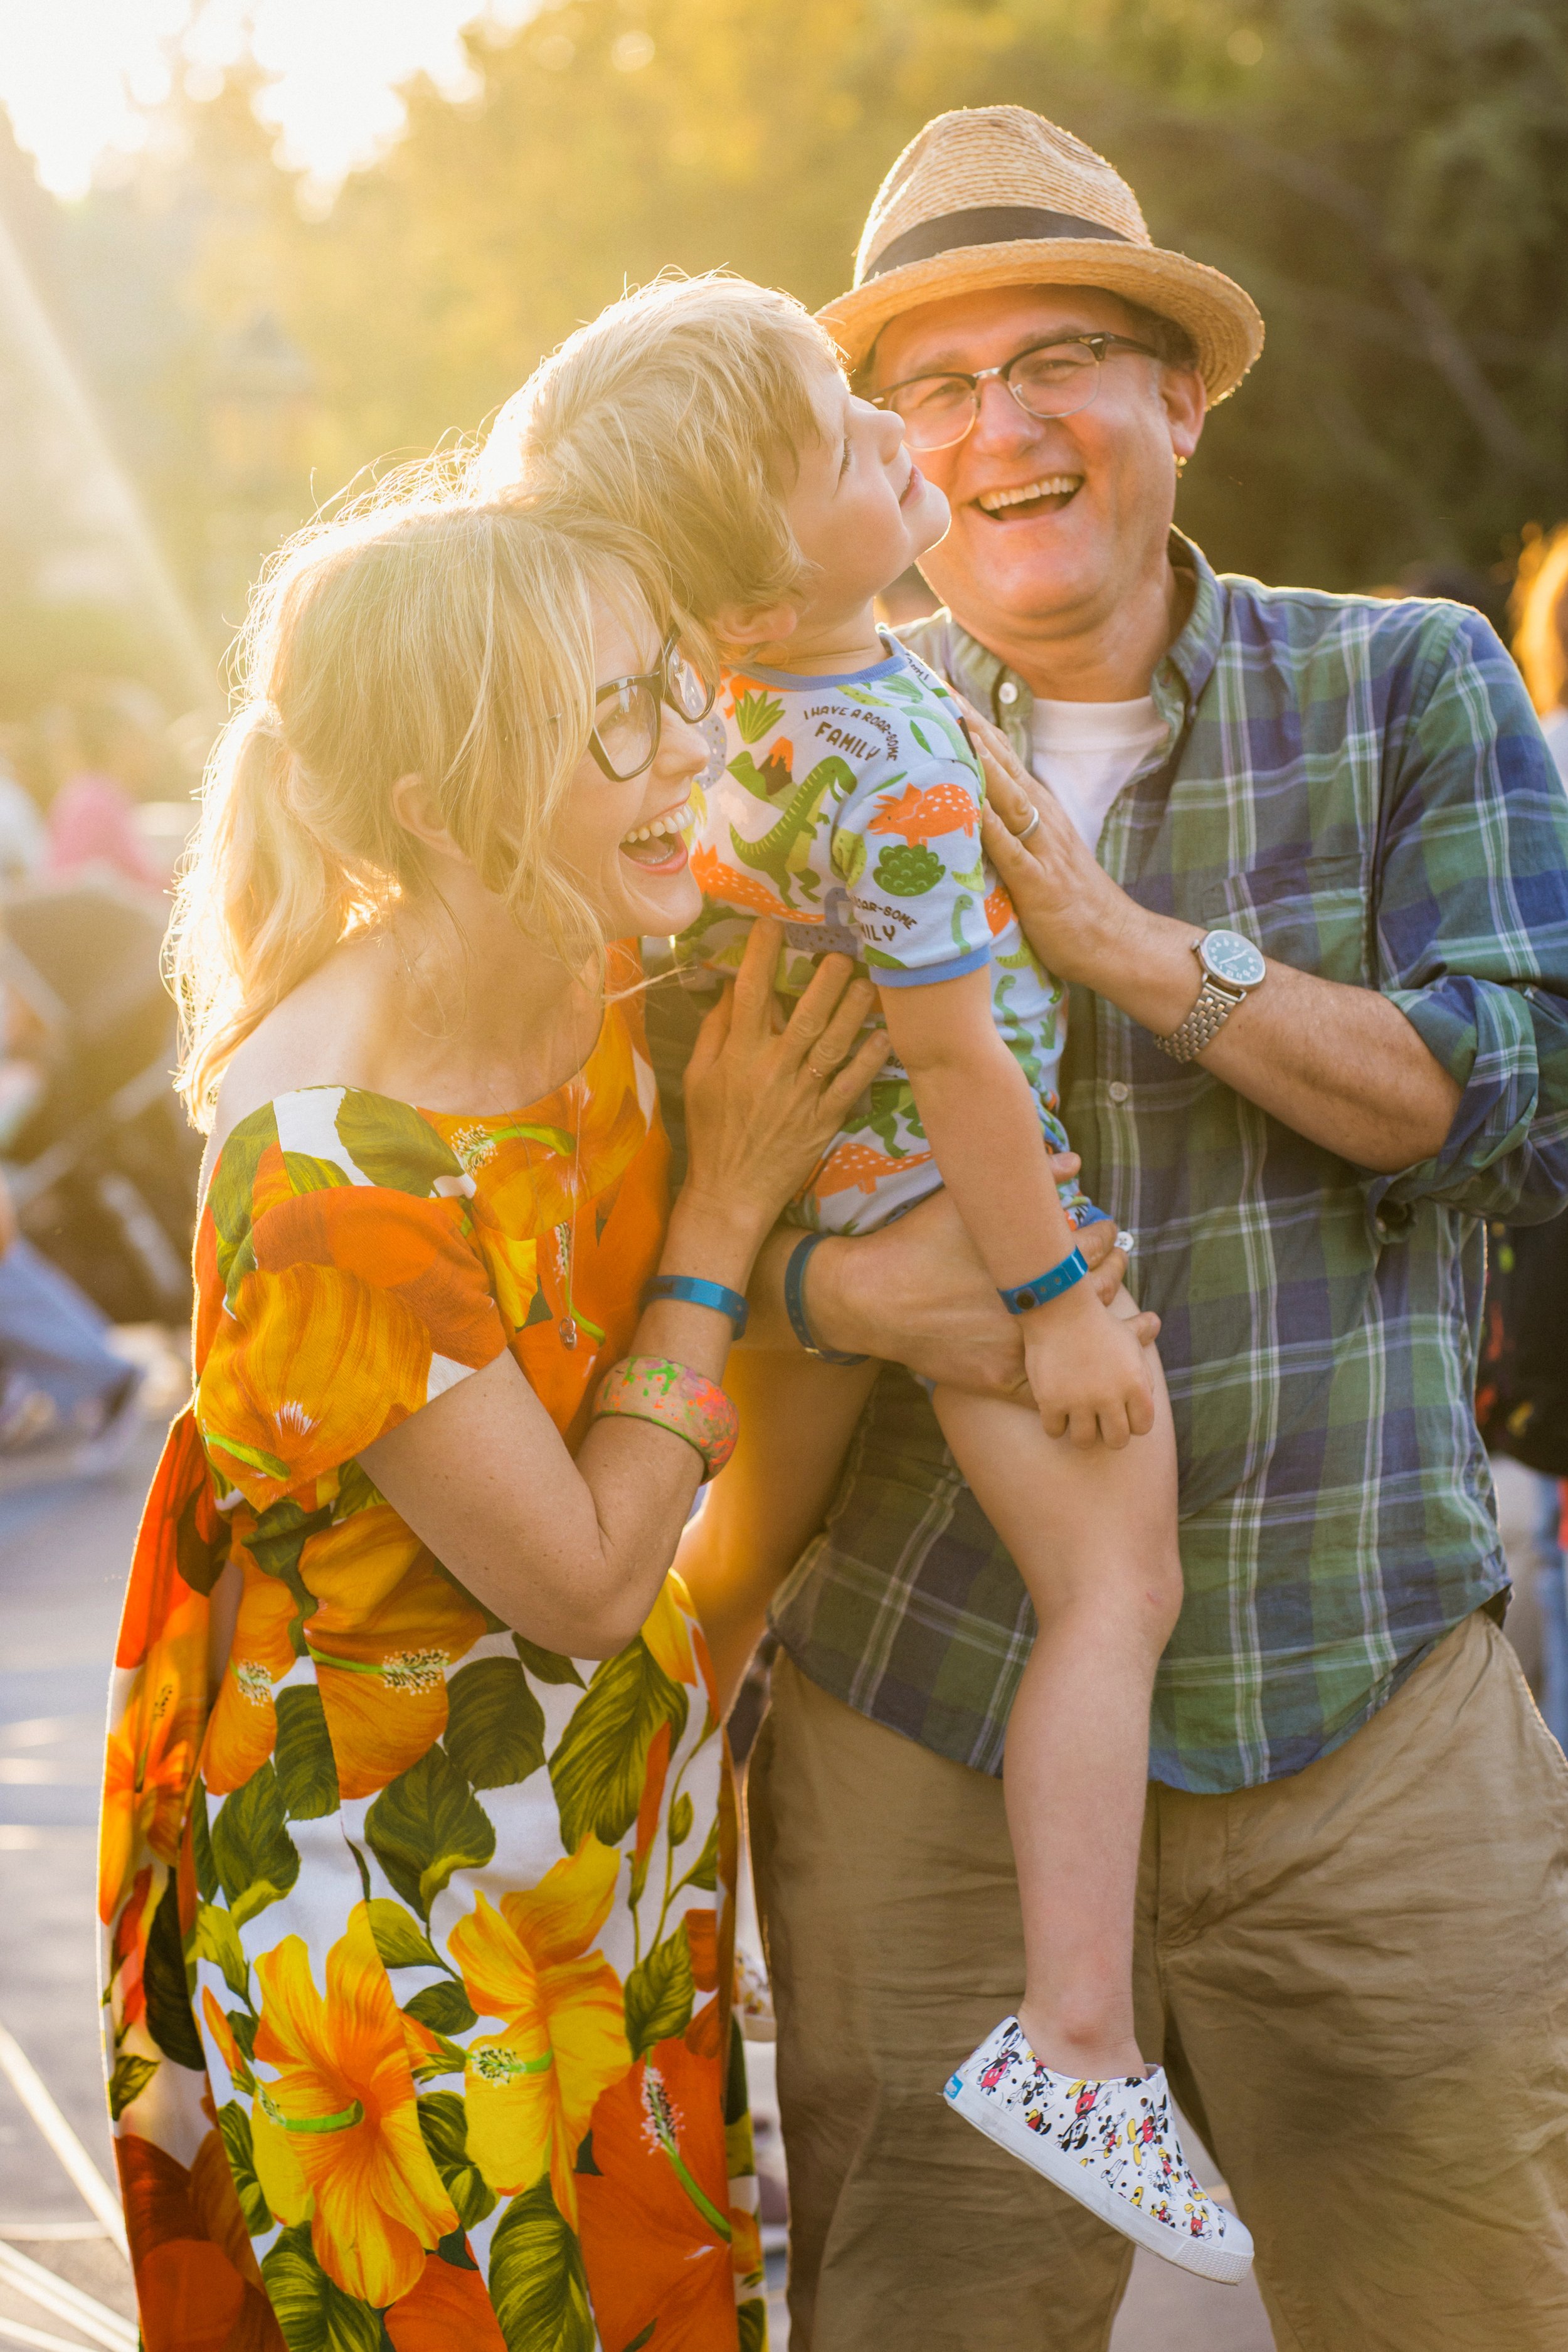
(1086, 1372)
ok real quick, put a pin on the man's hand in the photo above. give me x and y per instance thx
(916, 1293)
(1340, 1066)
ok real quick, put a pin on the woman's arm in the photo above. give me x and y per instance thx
(572, 1553)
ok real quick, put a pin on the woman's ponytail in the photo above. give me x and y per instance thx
(260, 902)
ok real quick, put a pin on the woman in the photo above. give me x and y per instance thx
(413, 1833)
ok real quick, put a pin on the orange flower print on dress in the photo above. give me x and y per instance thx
(381, 2144)
(342, 2092)
(656, 2227)
(531, 2089)
(311, 1360)
(244, 1728)
(389, 1628)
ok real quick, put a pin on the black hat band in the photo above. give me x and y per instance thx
(986, 225)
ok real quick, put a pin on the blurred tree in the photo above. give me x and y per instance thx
(1388, 177)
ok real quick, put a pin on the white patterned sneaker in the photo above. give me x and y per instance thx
(1114, 2145)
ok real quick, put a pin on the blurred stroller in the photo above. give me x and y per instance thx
(100, 1164)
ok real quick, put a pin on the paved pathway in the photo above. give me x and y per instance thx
(63, 1552)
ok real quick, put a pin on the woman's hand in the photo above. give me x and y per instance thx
(767, 1095)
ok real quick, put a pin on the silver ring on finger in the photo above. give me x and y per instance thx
(1028, 829)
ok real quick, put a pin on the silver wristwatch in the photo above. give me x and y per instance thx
(1232, 968)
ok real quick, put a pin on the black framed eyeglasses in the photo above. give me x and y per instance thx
(1053, 379)
(628, 712)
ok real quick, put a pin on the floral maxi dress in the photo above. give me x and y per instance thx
(417, 1935)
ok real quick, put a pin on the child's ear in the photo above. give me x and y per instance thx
(744, 627)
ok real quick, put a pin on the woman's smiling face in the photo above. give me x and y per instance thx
(641, 886)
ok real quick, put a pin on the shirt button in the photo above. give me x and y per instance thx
(1007, 692)
(1117, 1091)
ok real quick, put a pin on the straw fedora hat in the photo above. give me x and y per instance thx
(995, 195)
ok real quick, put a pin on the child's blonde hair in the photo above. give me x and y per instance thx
(425, 631)
(1540, 619)
(682, 410)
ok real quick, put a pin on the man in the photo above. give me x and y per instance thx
(1353, 1917)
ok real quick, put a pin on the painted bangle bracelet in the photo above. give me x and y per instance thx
(672, 1397)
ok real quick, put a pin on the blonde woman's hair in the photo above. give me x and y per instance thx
(682, 410)
(1540, 613)
(424, 632)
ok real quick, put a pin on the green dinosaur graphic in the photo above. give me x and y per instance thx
(906, 870)
(784, 854)
(764, 783)
(848, 855)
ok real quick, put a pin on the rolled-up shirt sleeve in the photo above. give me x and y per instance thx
(1471, 927)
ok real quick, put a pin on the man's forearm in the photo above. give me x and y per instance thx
(1340, 1066)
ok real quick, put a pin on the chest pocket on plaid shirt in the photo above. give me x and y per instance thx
(1313, 912)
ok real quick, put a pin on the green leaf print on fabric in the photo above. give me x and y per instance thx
(444, 2120)
(546, 1665)
(661, 1994)
(495, 1726)
(313, 2312)
(756, 712)
(168, 1987)
(201, 1844)
(307, 1769)
(231, 1194)
(444, 2008)
(258, 1861)
(393, 1146)
(129, 2080)
(275, 1544)
(218, 1940)
(425, 1825)
(704, 1871)
(908, 870)
(752, 2320)
(402, 1945)
(537, 2282)
(598, 1769)
(235, 2124)
(306, 1173)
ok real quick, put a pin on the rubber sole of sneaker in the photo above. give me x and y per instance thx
(1216, 2262)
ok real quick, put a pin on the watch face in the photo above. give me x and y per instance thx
(1230, 956)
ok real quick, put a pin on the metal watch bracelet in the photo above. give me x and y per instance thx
(1204, 1023)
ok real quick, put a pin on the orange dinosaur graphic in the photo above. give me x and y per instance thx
(748, 891)
(852, 1164)
(923, 816)
(998, 912)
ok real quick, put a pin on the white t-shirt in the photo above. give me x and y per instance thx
(1086, 751)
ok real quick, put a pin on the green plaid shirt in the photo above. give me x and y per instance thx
(1362, 789)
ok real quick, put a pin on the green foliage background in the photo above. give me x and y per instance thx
(1389, 178)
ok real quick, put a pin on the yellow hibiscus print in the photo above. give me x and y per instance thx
(244, 1727)
(531, 2089)
(342, 2102)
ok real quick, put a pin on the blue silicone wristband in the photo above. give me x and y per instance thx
(1045, 1287)
(794, 1302)
(695, 1292)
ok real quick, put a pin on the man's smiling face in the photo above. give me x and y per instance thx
(1055, 520)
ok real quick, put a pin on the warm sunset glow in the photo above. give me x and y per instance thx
(76, 75)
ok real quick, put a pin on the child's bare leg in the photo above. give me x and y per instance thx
(797, 1417)
(1094, 1535)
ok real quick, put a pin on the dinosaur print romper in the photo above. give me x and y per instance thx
(849, 809)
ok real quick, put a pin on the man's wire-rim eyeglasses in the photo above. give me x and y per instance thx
(625, 736)
(1050, 379)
